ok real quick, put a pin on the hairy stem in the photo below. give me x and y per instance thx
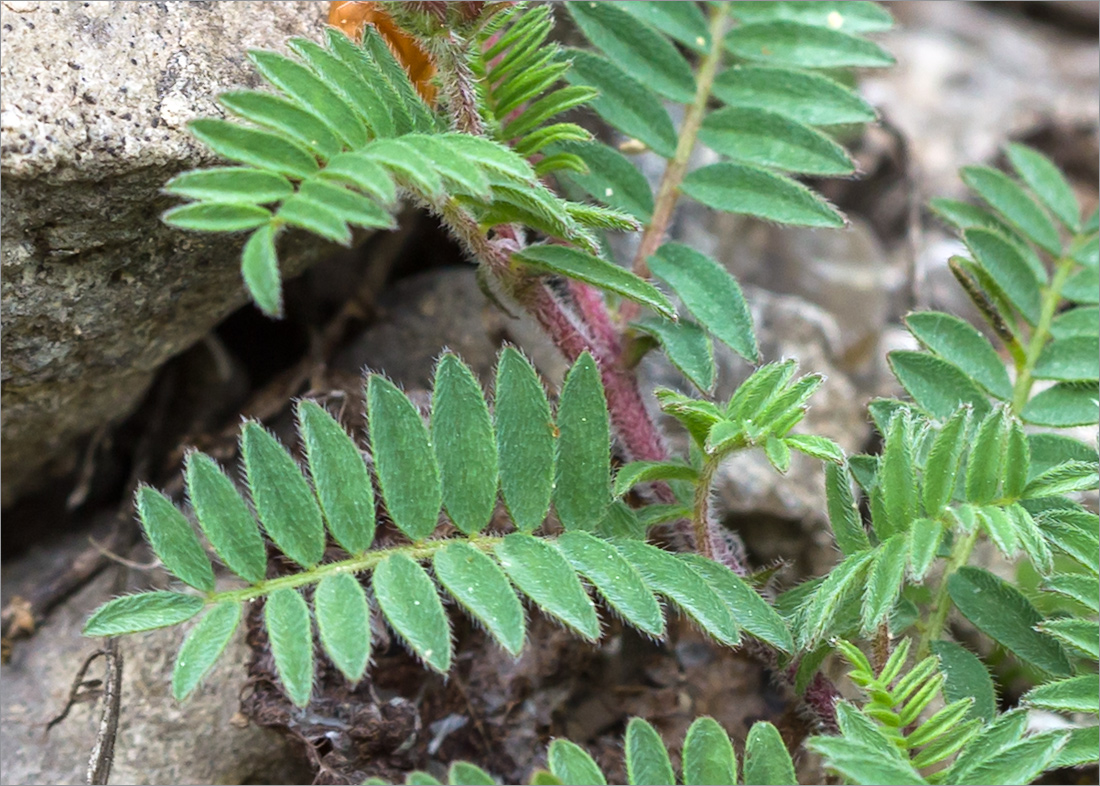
(1052, 295)
(941, 605)
(700, 517)
(669, 191)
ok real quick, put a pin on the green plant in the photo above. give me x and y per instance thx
(763, 86)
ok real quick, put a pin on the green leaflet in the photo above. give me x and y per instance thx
(217, 217)
(615, 579)
(687, 346)
(862, 763)
(985, 467)
(538, 112)
(638, 48)
(770, 139)
(708, 756)
(1005, 196)
(1083, 589)
(343, 620)
(710, 293)
(1000, 528)
(203, 646)
(483, 590)
(752, 191)
(630, 475)
(963, 215)
(286, 617)
(364, 173)
(766, 758)
(749, 610)
(938, 387)
(898, 480)
(225, 518)
(1083, 287)
(1080, 748)
(1004, 731)
(143, 611)
(1077, 694)
(1064, 404)
(779, 455)
(313, 93)
(669, 576)
(1017, 460)
(316, 217)
(581, 492)
(925, 537)
(1064, 478)
(1003, 613)
(1078, 636)
(260, 270)
(238, 185)
(849, 16)
(543, 575)
(349, 206)
(572, 765)
(885, 581)
(354, 88)
(1019, 763)
(647, 760)
(525, 440)
(957, 342)
(1074, 532)
(820, 609)
(463, 773)
(408, 599)
(966, 677)
(624, 102)
(1048, 183)
(611, 178)
(788, 43)
(403, 458)
(416, 778)
(253, 147)
(573, 263)
(682, 21)
(284, 502)
(305, 129)
(340, 477)
(816, 447)
(465, 446)
(1070, 359)
(1080, 321)
(1008, 267)
(844, 518)
(1031, 538)
(1050, 450)
(408, 164)
(459, 172)
(173, 540)
(806, 97)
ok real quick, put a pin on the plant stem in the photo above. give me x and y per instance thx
(941, 605)
(669, 191)
(701, 511)
(363, 562)
(1052, 295)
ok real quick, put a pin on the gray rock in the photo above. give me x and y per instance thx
(159, 739)
(96, 292)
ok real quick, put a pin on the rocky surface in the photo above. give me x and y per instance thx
(160, 740)
(97, 293)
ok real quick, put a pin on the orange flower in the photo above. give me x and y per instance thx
(351, 17)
